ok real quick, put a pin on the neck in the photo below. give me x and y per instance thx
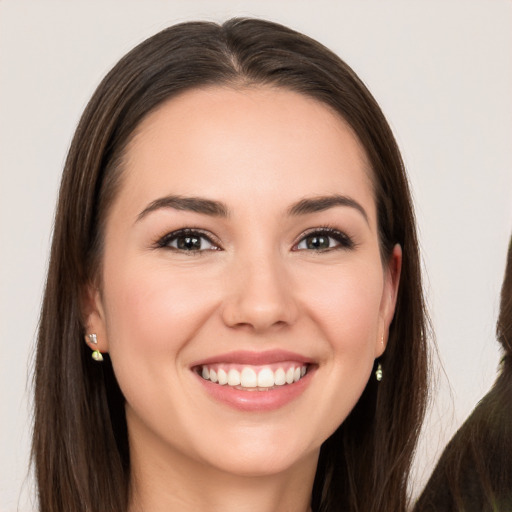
(163, 482)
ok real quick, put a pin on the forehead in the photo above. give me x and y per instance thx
(245, 141)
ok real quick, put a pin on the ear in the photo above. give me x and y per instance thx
(392, 272)
(93, 314)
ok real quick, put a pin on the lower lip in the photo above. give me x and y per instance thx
(255, 401)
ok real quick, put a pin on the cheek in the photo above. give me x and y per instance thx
(345, 304)
(155, 310)
(153, 313)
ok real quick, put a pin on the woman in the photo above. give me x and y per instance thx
(474, 472)
(235, 243)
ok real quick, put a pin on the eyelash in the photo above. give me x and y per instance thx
(343, 240)
(167, 239)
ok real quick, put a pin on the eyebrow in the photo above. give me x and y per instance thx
(217, 209)
(191, 204)
(321, 203)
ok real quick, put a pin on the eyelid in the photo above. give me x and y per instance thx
(344, 240)
(163, 241)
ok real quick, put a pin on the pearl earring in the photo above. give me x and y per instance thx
(96, 354)
(378, 373)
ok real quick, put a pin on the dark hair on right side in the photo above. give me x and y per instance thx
(80, 443)
(504, 324)
(474, 473)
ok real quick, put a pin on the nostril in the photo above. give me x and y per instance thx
(259, 295)
(259, 315)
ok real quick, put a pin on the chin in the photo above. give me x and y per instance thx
(263, 455)
(261, 466)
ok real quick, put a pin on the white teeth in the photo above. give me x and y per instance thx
(266, 378)
(248, 378)
(233, 377)
(222, 376)
(280, 377)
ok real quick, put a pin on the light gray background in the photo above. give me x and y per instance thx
(442, 73)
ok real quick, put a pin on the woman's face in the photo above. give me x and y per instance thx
(243, 299)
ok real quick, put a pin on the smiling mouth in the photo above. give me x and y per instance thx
(253, 378)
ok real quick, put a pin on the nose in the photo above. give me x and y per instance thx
(259, 295)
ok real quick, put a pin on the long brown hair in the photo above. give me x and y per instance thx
(504, 324)
(474, 472)
(80, 444)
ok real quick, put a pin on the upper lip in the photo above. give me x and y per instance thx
(254, 358)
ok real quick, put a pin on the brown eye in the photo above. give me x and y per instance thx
(316, 242)
(324, 240)
(188, 241)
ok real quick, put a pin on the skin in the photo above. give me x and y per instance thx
(255, 287)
